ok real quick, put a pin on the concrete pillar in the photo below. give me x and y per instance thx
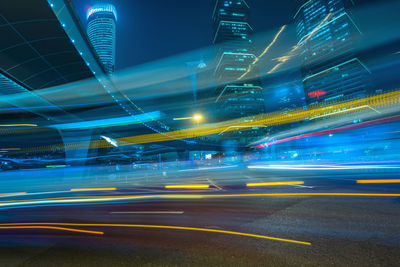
(76, 145)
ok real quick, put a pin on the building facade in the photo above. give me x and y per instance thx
(331, 67)
(101, 29)
(235, 97)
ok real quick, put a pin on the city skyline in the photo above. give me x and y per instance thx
(182, 133)
(144, 23)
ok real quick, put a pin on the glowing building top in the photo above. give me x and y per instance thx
(101, 29)
(102, 8)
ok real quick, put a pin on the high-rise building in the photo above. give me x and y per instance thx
(101, 29)
(332, 69)
(235, 98)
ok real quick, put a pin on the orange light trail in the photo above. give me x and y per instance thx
(383, 181)
(51, 228)
(193, 186)
(93, 189)
(274, 183)
(171, 227)
(18, 125)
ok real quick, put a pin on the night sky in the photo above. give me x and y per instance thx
(148, 30)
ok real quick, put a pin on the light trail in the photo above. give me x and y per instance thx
(343, 111)
(18, 125)
(264, 52)
(93, 189)
(12, 194)
(36, 226)
(56, 166)
(208, 168)
(180, 119)
(189, 186)
(238, 126)
(147, 212)
(383, 181)
(271, 119)
(198, 229)
(112, 122)
(291, 53)
(107, 199)
(274, 183)
(320, 167)
(332, 131)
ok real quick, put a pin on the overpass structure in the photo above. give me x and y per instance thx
(44, 54)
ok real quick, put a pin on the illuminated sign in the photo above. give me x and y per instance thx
(316, 94)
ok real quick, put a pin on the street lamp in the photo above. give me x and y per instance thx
(197, 118)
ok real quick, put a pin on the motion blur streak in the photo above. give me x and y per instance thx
(383, 181)
(264, 52)
(12, 194)
(18, 125)
(332, 131)
(104, 199)
(292, 52)
(322, 167)
(274, 183)
(194, 186)
(52, 228)
(104, 123)
(174, 228)
(93, 189)
(391, 99)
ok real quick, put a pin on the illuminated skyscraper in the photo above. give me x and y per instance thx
(101, 29)
(232, 38)
(332, 69)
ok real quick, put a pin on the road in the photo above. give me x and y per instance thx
(132, 219)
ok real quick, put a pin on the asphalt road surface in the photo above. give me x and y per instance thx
(329, 219)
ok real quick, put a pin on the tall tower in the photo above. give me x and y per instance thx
(235, 98)
(332, 70)
(101, 29)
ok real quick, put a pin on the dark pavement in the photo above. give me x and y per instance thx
(343, 230)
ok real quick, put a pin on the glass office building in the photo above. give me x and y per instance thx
(101, 29)
(235, 53)
(328, 35)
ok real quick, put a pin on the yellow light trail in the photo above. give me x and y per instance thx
(36, 226)
(274, 183)
(198, 229)
(18, 125)
(269, 119)
(291, 53)
(383, 181)
(193, 186)
(12, 194)
(264, 52)
(94, 189)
